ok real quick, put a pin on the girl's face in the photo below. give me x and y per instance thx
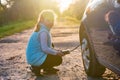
(49, 23)
(47, 18)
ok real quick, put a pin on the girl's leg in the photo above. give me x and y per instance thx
(47, 66)
(51, 61)
(35, 69)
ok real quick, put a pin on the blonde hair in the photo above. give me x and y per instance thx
(48, 15)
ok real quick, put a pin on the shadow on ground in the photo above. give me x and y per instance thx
(48, 77)
(9, 41)
(56, 77)
(99, 78)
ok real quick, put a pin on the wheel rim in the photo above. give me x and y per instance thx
(85, 54)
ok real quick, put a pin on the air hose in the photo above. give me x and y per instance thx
(68, 51)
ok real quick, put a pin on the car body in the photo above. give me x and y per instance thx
(98, 50)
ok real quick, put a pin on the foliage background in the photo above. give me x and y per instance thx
(26, 11)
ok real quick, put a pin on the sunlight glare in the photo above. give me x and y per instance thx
(3, 2)
(64, 4)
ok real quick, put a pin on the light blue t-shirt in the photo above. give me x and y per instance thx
(34, 54)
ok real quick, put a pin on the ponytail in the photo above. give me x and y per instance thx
(37, 25)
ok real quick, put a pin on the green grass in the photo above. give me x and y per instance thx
(15, 27)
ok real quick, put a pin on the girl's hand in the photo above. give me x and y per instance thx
(59, 53)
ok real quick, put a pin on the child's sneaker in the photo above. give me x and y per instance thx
(35, 71)
(50, 70)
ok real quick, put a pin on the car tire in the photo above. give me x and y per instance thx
(90, 62)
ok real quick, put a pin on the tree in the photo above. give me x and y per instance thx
(76, 10)
(25, 9)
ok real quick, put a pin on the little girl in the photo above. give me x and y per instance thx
(39, 51)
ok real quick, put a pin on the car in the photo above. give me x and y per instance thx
(99, 38)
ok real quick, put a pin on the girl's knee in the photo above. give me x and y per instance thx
(59, 60)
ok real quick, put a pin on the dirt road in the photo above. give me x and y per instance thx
(13, 64)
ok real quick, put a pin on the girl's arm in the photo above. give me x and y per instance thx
(44, 45)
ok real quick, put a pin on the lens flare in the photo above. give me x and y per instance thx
(64, 4)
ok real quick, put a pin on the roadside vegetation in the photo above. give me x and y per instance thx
(18, 15)
(15, 27)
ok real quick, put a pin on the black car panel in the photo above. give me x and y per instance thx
(98, 29)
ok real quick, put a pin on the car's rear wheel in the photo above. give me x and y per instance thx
(90, 62)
